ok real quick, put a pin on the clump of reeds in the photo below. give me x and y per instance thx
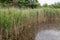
(19, 24)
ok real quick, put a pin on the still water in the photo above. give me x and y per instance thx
(48, 35)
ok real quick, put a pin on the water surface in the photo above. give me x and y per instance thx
(48, 35)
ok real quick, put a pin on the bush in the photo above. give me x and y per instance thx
(21, 3)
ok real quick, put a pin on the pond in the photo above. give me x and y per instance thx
(48, 35)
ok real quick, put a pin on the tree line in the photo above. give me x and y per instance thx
(55, 5)
(20, 3)
(26, 3)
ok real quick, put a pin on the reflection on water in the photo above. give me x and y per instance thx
(48, 35)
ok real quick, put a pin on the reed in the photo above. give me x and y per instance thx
(21, 24)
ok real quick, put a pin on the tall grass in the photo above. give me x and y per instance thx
(19, 24)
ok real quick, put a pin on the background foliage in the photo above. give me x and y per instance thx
(20, 3)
